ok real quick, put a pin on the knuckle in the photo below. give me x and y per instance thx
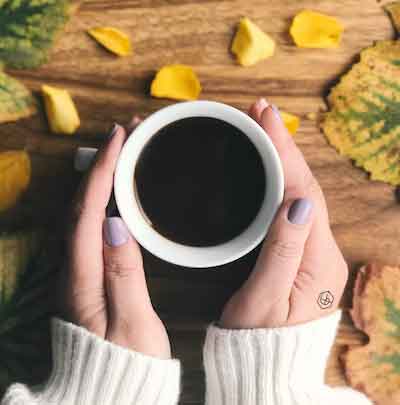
(285, 249)
(116, 268)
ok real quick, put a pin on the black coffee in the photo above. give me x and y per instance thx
(200, 181)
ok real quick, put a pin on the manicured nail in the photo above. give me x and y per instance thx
(84, 158)
(300, 210)
(114, 129)
(262, 104)
(115, 231)
(275, 110)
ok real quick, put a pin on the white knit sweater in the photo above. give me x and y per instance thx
(283, 366)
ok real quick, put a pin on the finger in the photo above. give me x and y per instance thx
(298, 176)
(282, 252)
(86, 243)
(125, 282)
(133, 123)
(257, 109)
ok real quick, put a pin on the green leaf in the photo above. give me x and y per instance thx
(28, 29)
(16, 101)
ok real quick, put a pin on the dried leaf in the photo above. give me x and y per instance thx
(363, 121)
(15, 175)
(394, 11)
(250, 44)
(61, 111)
(177, 82)
(315, 30)
(292, 122)
(113, 39)
(28, 29)
(16, 101)
(375, 367)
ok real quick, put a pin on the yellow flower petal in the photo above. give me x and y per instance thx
(177, 82)
(61, 111)
(292, 122)
(251, 45)
(113, 39)
(315, 30)
(15, 175)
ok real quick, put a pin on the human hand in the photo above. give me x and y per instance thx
(300, 273)
(106, 289)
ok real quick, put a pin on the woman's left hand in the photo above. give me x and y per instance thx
(106, 289)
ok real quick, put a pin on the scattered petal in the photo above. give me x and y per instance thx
(15, 175)
(292, 122)
(112, 39)
(61, 111)
(394, 11)
(177, 82)
(315, 30)
(251, 45)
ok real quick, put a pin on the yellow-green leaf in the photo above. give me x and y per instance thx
(16, 101)
(364, 121)
(375, 367)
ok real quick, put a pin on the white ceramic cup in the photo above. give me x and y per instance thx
(140, 226)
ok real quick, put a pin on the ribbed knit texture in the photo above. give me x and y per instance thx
(88, 370)
(281, 366)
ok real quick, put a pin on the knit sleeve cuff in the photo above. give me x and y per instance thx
(90, 370)
(267, 366)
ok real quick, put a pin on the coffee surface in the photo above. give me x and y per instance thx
(200, 181)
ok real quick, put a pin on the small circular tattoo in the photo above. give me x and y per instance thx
(325, 300)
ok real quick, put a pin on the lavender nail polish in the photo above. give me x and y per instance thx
(300, 210)
(262, 104)
(84, 158)
(115, 231)
(275, 110)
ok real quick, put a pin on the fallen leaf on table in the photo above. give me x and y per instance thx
(15, 175)
(60, 109)
(364, 118)
(375, 367)
(16, 101)
(177, 82)
(315, 30)
(250, 44)
(27, 267)
(292, 122)
(112, 39)
(394, 11)
(28, 30)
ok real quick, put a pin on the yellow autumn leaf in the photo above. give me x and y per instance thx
(315, 30)
(15, 174)
(112, 39)
(177, 82)
(250, 44)
(292, 122)
(374, 367)
(61, 111)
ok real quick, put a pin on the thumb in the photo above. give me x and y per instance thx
(281, 255)
(125, 282)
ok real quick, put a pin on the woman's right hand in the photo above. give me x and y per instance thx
(300, 273)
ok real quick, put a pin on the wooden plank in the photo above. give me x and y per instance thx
(364, 214)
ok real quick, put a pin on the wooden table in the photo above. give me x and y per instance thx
(364, 214)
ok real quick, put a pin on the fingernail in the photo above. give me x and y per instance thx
(114, 129)
(300, 210)
(262, 104)
(115, 231)
(84, 158)
(275, 110)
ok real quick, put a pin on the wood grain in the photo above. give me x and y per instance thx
(364, 214)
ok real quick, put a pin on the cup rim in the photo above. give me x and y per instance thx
(139, 225)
